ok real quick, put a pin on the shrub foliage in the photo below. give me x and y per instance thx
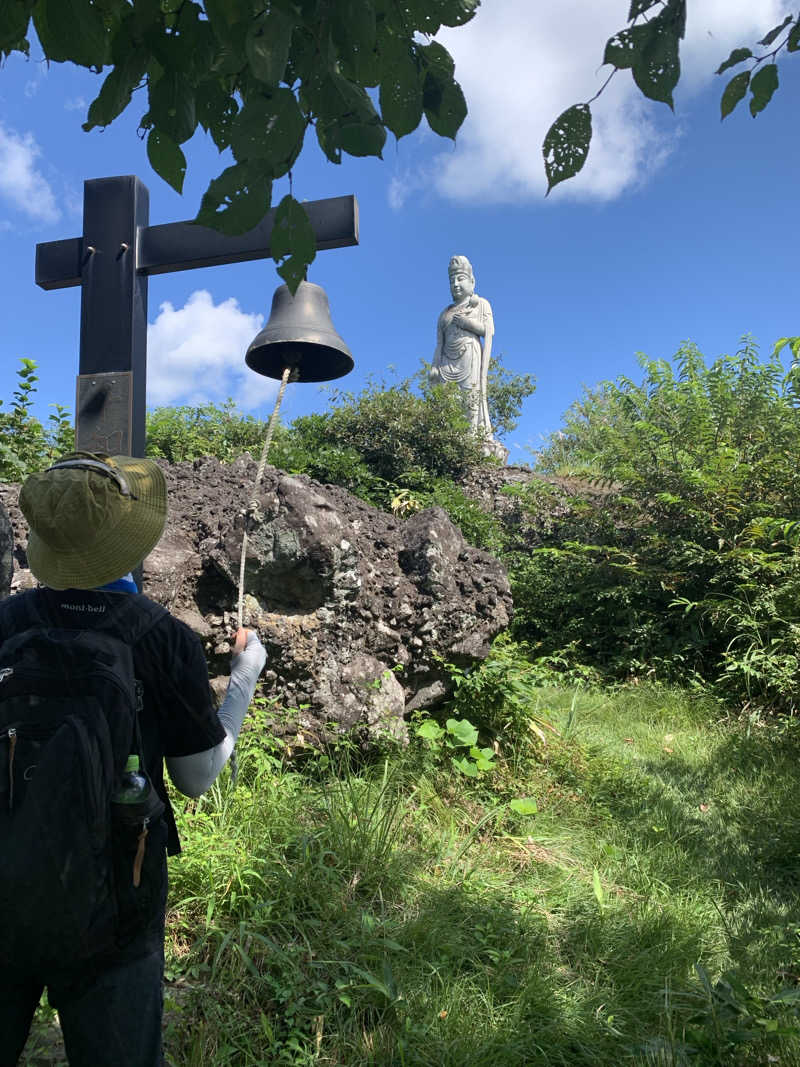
(674, 551)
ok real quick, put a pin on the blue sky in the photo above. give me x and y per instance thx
(680, 227)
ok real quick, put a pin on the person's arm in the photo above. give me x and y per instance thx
(193, 775)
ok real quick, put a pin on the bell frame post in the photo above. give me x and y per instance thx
(112, 261)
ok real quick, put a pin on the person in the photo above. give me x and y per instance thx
(92, 519)
(464, 334)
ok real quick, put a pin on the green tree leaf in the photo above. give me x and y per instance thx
(462, 731)
(524, 806)
(294, 246)
(347, 119)
(776, 32)
(656, 68)
(237, 200)
(216, 110)
(443, 102)
(115, 92)
(566, 145)
(734, 92)
(762, 87)
(456, 12)
(793, 40)
(166, 159)
(172, 106)
(353, 31)
(267, 45)
(269, 128)
(401, 97)
(738, 55)
(72, 30)
(15, 15)
(622, 49)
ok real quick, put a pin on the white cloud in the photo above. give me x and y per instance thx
(75, 103)
(195, 354)
(20, 181)
(521, 64)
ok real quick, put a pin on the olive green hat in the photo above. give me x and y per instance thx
(92, 518)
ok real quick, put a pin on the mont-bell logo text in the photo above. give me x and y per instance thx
(94, 608)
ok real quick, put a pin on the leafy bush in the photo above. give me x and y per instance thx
(396, 430)
(25, 445)
(663, 559)
(181, 433)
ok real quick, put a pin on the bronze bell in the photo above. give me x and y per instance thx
(300, 335)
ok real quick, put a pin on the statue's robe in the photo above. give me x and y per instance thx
(459, 354)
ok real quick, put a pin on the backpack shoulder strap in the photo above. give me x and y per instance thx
(133, 617)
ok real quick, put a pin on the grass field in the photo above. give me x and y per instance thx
(402, 913)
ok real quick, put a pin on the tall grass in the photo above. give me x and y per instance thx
(399, 913)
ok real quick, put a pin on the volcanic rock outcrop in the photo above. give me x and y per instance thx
(359, 611)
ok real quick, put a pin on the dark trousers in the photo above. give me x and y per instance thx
(110, 1016)
(111, 1009)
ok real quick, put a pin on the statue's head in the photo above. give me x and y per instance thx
(462, 280)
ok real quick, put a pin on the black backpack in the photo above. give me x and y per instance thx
(68, 721)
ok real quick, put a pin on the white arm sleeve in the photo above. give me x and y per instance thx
(192, 775)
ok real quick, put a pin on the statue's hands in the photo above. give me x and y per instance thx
(435, 375)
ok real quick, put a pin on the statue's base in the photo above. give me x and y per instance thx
(496, 449)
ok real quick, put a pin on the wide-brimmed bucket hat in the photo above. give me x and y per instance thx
(92, 518)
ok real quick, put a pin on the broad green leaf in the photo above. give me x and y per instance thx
(237, 200)
(71, 31)
(524, 806)
(456, 12)
(358, 138)
(216, 110)
(793, 41)
(462, 731)
(656, 68)
(269, 128)
(738, 55)
(444, 103)
(429, 730)
(566, 145)
(401, 96)
(293, 243)
(436, 55)
(347, 120)
(172, 106)
(466, 767)
(225, 14)
(353, 29)
(15, 16)
(734, 92)
(267, 46)
(622, 49)
(166, 159)
(776, 32)
(762, 86)
(115, 92)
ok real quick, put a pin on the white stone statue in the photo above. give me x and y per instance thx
(463, 350)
